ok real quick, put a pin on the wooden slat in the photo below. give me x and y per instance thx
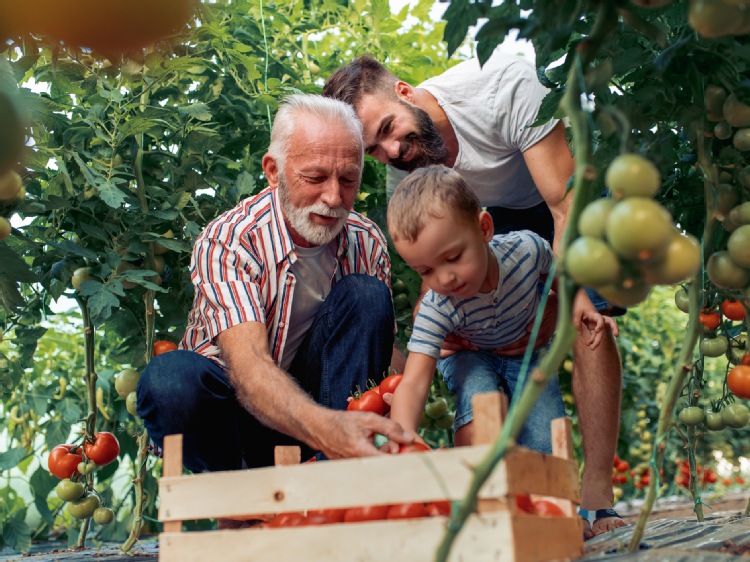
(547, 538)
(530, 472)
(562, 446)
(484, 538)
(489, 410)
(172, 468)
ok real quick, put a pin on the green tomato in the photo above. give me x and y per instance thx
(714, 421)
(83, 508)
(632, 175)
(735, 415)
(591, 262)
(437, 408)
(638, 228)
(69, 491)
(80, 276)
(86, 467)
(714, 347)
(103, 516)
(131, 402)
(446, 422)
(682, 300)
(126, 381)
(592, 221)
(738, 347)
(692, 415)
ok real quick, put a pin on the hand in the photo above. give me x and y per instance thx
(546, 331)
(351, 434)
(391, 447)
(454, 343)
(589, 322)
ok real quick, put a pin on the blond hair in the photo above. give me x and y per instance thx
(427, 192)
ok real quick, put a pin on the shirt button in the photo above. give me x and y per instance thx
(288, 281)
(281, 324)
(495, 300)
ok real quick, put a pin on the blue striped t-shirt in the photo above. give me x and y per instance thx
(488, 320)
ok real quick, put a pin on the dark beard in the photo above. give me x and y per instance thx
(430, 146)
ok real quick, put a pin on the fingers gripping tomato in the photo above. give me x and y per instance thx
(63, 460)
(104, 449)
(416, 447)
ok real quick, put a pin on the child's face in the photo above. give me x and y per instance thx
(452, 256)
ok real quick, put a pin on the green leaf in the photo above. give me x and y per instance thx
(10, 459)
(111, 194)
(197, 110)
(42, 483)
(549, 106)
(69, 409)
(14, 267)
(16, 533)
(57, 431)
(101, 304)
(10, 297)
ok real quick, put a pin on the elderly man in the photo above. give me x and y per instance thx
(292, 310)
(477, 121)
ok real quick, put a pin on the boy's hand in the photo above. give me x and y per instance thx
(454, 343)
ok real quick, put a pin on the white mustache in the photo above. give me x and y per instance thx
(326, 211)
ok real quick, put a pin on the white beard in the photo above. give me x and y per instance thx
(299, 218)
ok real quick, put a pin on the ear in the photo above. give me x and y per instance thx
(270, 169)
(404, 91)
(487, 226)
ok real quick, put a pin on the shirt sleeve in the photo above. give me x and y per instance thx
(227, 286)
(435, 319)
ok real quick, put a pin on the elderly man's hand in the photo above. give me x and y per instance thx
(352, 434)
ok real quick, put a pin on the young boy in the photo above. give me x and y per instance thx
(485, 289)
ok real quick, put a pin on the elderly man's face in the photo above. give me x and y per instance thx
(320, 180)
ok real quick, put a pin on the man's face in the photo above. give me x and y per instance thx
(320, 180)
(399, 133)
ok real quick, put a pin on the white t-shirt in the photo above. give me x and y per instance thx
(312, 273)
(491, 109)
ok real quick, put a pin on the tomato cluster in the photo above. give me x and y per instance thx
(682, 474)
(372, 400)
(628, 242)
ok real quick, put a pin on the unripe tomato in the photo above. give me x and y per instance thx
(592, 221)
(725, 273)
(163, 346)
(83, 508)
(682, 299)
(714, 421)
(126, 382)
(69, 491)
(692, 415)
(722, 130)
(86, 467)
(5, 228)
(63, 460)
(738, 381)
(735, 112)
(738, 247)
(632, 175)
(714, 347)
(104, 449)
(591, 262)
(715, 96)
(131, 403)
(103, 516)
(732, 309)
(446, 421)
(738, 347)
(437, 408)
(80, 276)
(619, 295)
(680, 261)
(735, 415)
(10, 185)
(639, 228)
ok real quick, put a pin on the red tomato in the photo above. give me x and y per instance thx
(709, 318)
(617, 459)
(739, 480)
(622, 478)
(683, 481)
(104, 449)
(416, 447)
(163, 346)
(63, 461)
(726, 481)
(438, 508)
(524, 503)
(289, 519)
(738, 381)
(547, 508)
(645, 480)
(623, 466)
(710, 477)
(366, 513)
(368, 401)
(406, 511)
(733, 309)
(334, 515)
(389, 383)
(745, 360)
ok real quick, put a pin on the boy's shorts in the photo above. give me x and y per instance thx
(472, 372)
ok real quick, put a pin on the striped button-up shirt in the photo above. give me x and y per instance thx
(240, 270)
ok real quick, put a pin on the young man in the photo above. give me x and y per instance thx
(477, 121)
(292, 310)
(483, 288)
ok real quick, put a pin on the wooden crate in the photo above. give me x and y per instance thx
(497, 532)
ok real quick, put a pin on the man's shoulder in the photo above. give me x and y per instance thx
(498, 63)
(251, 213)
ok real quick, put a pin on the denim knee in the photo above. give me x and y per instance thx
(364, 295)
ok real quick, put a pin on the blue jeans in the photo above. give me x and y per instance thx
(351, 340)
(539, 219)
(472, 372)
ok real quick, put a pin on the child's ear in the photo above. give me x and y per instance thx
(487, 226)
